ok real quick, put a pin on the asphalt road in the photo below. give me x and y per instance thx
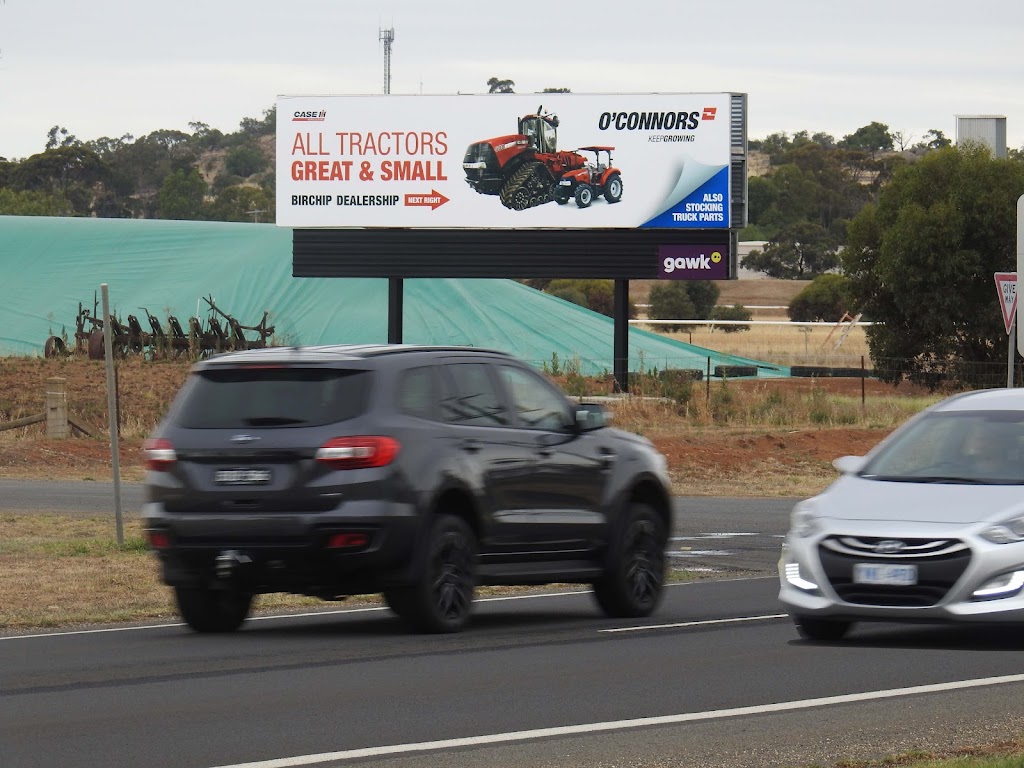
(715, 535)
(715, 678)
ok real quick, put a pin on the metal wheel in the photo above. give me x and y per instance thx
(55, 347)
(635, 577)
(442, 598)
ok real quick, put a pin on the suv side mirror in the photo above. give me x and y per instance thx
(591, 416)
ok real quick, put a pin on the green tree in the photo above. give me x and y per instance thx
(933, 139)
(735, 312)
(70, 172)
(873, 137)
(182, 196)
(826, 298)
(556, 90)
(703, 295)
(58, 136)
(598, 295)
(800, 251)
(245, 160)
(497, 85)
(670, 300)
(266, 126)
(242, 204)
(921, 261)
(33, 203)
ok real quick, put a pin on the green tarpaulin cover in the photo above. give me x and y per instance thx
(50, 265)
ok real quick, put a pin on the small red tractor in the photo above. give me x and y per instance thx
(593, 179)
(526, 169)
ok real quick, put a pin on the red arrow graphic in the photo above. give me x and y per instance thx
(434, 199)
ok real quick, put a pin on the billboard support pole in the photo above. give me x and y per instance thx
(620, 351)
(395, 305)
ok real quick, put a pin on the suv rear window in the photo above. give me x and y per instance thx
(250, 397)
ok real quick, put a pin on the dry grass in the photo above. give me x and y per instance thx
(97, 582)
(784, 344)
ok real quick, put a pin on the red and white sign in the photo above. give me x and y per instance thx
(1006, 285)
(497, 161)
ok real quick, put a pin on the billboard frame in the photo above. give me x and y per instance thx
(617, 254)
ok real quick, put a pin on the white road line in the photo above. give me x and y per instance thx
(275, 617)
(706, 622)
(615, 725)
(311, 614)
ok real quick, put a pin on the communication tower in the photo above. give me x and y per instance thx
(387, 36)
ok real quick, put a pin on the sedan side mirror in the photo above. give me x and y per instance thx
(849, 465)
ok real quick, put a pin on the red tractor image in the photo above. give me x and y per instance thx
(526, 169)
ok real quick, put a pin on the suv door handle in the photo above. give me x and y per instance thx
(471, 444)
(606, 457)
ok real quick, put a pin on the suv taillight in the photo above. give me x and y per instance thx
(158, 454)
(358, 452)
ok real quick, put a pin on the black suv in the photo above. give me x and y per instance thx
(418, 472)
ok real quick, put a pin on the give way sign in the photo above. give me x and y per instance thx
(1006, 285)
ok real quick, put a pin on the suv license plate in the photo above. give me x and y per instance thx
(242, 476)
(893, 575)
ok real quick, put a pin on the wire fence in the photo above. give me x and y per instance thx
(663, 377)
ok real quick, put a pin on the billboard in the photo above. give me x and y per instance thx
(505, 161)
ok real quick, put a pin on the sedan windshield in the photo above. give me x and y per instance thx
(976, 447)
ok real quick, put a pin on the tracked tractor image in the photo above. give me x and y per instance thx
(526, 169)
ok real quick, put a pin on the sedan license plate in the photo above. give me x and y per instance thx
(242, 476)
(891, 575)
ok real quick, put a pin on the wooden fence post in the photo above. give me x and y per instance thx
(57, 408)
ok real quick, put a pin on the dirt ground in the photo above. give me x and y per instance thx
(704, 459)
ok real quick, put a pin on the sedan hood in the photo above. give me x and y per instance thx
(856, 498)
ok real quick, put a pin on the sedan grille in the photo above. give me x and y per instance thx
(939, 562)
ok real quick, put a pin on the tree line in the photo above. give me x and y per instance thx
(168, 174)
(905, 234)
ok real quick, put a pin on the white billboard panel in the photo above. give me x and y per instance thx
(573, 161)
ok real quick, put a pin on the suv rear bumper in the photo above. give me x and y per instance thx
(360, 547)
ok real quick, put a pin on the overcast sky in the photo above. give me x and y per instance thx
(110, 67)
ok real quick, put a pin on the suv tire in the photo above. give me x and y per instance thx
(213, 610)
(442, 598)
(632, 584)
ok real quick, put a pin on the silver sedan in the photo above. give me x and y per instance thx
(929, 526)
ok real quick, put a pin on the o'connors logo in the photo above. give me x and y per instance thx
(693, 262)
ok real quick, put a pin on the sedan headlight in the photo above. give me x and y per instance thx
(803, 520)
(1006, 532)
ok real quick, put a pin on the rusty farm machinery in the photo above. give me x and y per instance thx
(220, 332)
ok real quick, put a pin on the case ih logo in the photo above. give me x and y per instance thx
(309, 117)
(709, 113)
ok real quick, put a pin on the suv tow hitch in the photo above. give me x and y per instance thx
(228, 561)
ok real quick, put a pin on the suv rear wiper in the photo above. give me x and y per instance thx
(271, 421)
